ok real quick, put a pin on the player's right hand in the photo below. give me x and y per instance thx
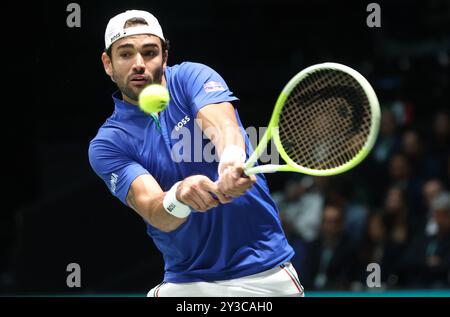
(196, 191)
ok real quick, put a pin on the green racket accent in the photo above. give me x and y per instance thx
(325, 122)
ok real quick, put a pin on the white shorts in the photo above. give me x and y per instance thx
(279, 281)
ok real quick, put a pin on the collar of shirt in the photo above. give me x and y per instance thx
(125, 108)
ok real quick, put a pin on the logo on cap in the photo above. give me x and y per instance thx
(115, 37)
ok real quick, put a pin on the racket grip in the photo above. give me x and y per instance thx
(269, 168)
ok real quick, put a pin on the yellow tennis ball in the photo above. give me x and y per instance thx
(154, 98)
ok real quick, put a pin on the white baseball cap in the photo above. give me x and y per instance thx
(116, 30)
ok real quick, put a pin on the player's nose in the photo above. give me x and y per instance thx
(139, 64)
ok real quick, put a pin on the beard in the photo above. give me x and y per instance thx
(133, 92)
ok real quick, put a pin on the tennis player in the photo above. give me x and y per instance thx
(218, 230)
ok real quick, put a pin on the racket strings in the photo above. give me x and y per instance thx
(325, 121)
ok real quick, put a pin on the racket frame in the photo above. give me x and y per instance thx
(272, 131)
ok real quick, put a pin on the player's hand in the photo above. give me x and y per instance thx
(233, 182)
(196, 191)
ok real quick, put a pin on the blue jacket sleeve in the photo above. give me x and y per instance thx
(114, 167)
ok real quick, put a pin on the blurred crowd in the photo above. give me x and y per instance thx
(392, 210)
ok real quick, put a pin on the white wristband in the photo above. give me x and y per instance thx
(231, 154)
(173, 206)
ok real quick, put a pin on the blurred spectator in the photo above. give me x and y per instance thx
(439, 142)
(308, 211)
(388, 140)
(378, 247)
(395, 214)
(441, 133)
(399, 169)
(403, 110)
(427, 262)
(423, 166)
(401, 176)
(328, 258)
(289, 195)
(302, 206)
(431, 189)
(447, 172)
(341, 194)
(287, 201)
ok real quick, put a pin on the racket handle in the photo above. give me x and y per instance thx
(269, 168)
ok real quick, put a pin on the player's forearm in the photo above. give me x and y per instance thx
(219, 124)
(230, 134)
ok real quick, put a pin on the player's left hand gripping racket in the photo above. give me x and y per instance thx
(325, 122)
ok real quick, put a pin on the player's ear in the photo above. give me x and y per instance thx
(165, 58)
(107, 64)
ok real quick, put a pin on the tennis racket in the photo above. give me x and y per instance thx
(325, 122)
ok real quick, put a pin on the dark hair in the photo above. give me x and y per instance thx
(132, 22)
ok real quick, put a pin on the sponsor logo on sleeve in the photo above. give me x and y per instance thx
(113, 182)
(211, 86)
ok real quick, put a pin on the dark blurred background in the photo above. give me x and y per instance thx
(393, 209)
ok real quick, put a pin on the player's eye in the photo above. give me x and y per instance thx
(150, 53)
(125, 54)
